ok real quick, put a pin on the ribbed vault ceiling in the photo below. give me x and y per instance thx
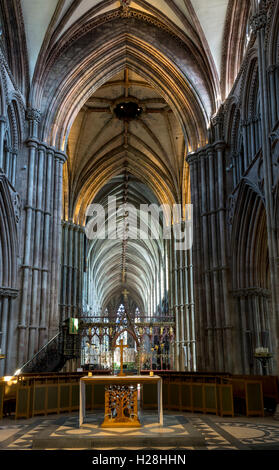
(201, 20)
(130, 264)
(154, 141)
(172, 73)
(100, 141)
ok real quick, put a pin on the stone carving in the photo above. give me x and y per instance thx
(8, 292)
(17, 206)
(260, 174)
(258, 21)
(110, 16)
(33, 114)
(125, 4)
(218, 119)
(125, 12)
(230, 209)
(274, 136)
(251, 291)
(16, 201)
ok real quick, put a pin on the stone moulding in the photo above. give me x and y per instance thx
(248, 291)
(8, 292)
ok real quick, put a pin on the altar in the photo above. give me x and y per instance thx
(121, 408)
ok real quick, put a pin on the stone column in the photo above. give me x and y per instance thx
(183, 306)
(37, 257)
(2, 134)
(197, 262)
(187, 333)
(273, 97)
(205, 239)
(4, 306)
(224, 294)
(13, 172)
(175, 305)
(277, 88)
(45, 290)
(59, 160)
(33, 117)
(214, 265)
(192, 312)
(64, 269)
(244, 124)
(7, 161)
(259, 21)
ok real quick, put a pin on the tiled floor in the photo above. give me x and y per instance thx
(189, 431)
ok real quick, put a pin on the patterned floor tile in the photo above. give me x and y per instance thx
(218, 433)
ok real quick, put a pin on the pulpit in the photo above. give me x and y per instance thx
(121, 409)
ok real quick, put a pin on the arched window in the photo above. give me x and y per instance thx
(121, 318)
(137, 315)
(248, 32)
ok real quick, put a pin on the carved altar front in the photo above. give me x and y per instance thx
(121, 405)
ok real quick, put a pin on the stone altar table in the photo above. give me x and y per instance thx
(116, 385)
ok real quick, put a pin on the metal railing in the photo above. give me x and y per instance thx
(48, 358)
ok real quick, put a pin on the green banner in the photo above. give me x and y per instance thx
(73, 326)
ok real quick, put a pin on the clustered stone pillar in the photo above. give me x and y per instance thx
(268, 85)
(181, 305)
(7, 296)
(39, 314)
(56, 252)
(213, 312)
(33, 116)
(72, 270)
(45, 300)
(253, 304)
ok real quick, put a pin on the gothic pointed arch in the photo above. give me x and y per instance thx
(249, 241)
(15, 48)
(193, 99)
(251, 275)
(8, 236)
(234, 42)
(123, 330)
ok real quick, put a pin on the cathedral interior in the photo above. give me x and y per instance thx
(117, 105)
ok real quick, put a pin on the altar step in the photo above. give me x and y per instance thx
(118, 442)
(177, 432)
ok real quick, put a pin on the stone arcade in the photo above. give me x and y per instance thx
(143, 103)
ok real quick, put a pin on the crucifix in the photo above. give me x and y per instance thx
(125, 293)
(121, 346)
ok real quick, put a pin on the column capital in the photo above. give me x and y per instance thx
(218, 119)
(42, 147)
(195, 156)
(8, 148)
(210, 151)
(244, 122)
(192, 158)
(32, 142)
(272, 68)
(259, 20)
(220, 145)
(50, 151)
(33, 114)
(61, 156)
